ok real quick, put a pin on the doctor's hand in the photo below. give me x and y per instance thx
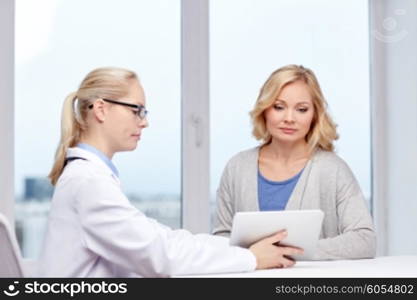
(270, 255)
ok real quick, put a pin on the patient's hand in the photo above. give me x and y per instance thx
(269, 254)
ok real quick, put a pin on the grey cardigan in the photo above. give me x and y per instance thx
(327, 183)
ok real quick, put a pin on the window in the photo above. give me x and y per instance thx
(55, 48)
(265, 35)
(54, 51)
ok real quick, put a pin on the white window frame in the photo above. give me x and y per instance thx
(394, 111)
(379, 200)
(195, 115)
(7, 14)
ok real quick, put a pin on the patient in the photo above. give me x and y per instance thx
(295, 168)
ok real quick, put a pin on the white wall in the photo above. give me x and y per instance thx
(394, 80)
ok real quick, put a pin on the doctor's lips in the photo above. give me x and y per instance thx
(137, 135)
(288, 130)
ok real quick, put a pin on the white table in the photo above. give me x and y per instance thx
(386, 266)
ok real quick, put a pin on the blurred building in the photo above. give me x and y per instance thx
(37, 188)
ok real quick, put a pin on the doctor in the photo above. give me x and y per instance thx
(93, 230)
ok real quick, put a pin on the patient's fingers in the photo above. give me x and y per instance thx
(286, 263)
(275, 238)
(291, 250)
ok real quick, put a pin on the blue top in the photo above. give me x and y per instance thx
(274, 195)
(101, 155)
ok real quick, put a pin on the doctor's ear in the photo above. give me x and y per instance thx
(99, 110)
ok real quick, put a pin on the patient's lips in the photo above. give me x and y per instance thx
(288, 130)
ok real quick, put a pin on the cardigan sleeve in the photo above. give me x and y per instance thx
(224, 208)
(356, 237)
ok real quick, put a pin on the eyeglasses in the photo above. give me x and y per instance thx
(141, 111)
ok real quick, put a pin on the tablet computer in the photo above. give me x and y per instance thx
(303, 227)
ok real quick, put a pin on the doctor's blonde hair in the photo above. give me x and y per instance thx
(322, 132)
(100, 83)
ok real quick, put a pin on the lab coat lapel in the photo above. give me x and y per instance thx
(91, 157)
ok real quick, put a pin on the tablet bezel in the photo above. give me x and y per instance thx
(303, 226)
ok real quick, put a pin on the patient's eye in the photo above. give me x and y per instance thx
(279, 107)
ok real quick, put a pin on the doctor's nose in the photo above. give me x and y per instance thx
(143, 123)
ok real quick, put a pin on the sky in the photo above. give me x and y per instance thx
(64, 40)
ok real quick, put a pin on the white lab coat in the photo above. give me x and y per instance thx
(94, 231)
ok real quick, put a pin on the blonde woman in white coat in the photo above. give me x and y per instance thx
(93, 229)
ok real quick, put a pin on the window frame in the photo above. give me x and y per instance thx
(195, 115)
(7, 25)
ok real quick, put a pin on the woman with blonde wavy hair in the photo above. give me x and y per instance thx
(295, 168)
(93, 229)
